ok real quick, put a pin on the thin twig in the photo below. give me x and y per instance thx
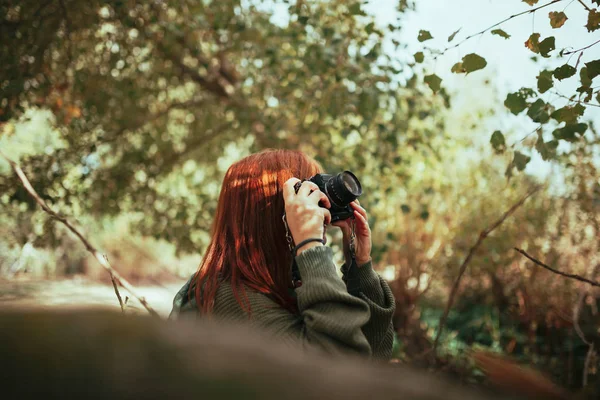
(581, 49)
(484, 234)
(584, 5)
(575, 101)
(115, 276)
(114, 283)
(577, 327)
(533, 10)
(566, 275)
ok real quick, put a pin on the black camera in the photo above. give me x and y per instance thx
(341, 189)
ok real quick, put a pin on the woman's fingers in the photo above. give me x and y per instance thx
(322, 197)
(362, 224)
(288, 187)
(306, 188)
(327, 217)
(359, 209)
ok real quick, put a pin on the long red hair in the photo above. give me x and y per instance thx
(248, 246)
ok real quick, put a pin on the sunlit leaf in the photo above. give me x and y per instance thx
(355, 9)
(593, 21)
(568, 114)
(473, 62)
(584, 77)
(546, 46)
(533, 43)
(544, 81)
(564, 72)
(568, 132)
(517, 102)
(520, 160)
(557, 19)
(538, 112)
(501, 33)
(458, 68)
(498, 142)
(593, 69)
(546, 149)
(433, 81)
(424, 35)
(451, 37)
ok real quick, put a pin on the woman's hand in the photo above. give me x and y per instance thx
(305, 218)
(363, 234)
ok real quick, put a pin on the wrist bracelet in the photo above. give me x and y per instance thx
(296, 248)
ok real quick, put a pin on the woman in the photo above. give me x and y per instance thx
(246, 275)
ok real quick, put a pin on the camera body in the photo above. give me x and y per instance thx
(340, 189)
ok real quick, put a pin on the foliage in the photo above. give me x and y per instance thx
(571, 64)
(152, 100)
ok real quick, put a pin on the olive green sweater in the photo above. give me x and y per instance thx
(330, 318)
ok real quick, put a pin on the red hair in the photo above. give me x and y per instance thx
(248, 246)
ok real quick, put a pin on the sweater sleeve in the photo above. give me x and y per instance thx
(365, 283)
(332, 319)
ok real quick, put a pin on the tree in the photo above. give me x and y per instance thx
(147, 97)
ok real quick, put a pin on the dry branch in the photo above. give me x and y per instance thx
(484, 234)
(566, 275)
(115, 276)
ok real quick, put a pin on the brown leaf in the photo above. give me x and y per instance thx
(533, 43)
(557, 19)
(593, 22)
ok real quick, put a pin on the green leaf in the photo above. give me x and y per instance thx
(458, 68)
(498, 142)
(433, 81)
(593, 21)
(546, 46)
(405, 209)
(533, 43)
(473, 62)
(546, 149)
(568, 132)
(521, 160)
(568, 114)
(451, 37)
(355, 9)
(516, 102)
(538, 112)
(545, 81)
(419, 57)
(584, 77)
(424, 35)
(557, 19)
(564, 72)
(593, 68)
(501, 33)
(531, 2)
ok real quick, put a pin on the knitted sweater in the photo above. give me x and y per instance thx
(329, 318)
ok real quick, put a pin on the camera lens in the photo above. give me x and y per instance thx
(343, 188)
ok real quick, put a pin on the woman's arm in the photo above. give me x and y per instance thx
(363, 282)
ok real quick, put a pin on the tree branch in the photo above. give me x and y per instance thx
(566, 275)
(495, 25)
(484, 234)
(115, 276)
(581, 49)
(584, 5)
